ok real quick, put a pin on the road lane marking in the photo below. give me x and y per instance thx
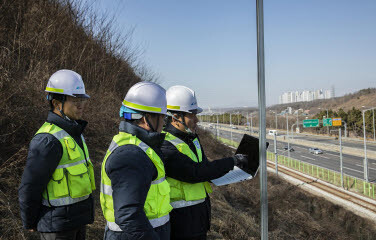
(353, 169)
(324, 157)
(336, 155)
(359, 165)
(307, 157)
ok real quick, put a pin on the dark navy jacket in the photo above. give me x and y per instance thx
(193, 221)
(45, 152)
(131, 172)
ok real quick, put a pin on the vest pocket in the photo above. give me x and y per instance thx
(72, 148)
(194, 191)
(164, 202)
(78, 181)
(59, 183)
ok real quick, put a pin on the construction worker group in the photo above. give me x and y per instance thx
(154, 176)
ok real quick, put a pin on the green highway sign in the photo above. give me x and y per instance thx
(311, 123)
(327, 122)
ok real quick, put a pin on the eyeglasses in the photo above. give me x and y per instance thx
(78, 101)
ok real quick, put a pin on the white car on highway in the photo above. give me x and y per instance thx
(315, 151)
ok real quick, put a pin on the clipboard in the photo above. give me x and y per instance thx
(249, 146)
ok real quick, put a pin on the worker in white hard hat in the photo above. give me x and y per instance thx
(134, 194)
(55, 194)
(187, 168)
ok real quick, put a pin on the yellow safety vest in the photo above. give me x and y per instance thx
(185, 194)
(73, 180)
(157, 204)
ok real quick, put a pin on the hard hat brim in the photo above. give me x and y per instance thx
(81, 95)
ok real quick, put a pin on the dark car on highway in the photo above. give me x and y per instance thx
(286, 148)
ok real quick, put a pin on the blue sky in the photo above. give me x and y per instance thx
(210, 45)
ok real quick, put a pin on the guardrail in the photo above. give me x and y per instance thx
(350, 183)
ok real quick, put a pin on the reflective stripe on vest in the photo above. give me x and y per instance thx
(63, 201)
(156, 222)
(106, 189)
(183, 203)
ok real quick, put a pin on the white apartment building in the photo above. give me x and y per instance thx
(305, 95)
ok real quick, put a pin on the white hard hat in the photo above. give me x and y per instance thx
(146, 97)
(67, 82)
(182, 99)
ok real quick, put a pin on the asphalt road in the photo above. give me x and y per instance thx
(371, 145)
(352, 165)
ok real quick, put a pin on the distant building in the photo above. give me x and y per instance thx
(306, 95)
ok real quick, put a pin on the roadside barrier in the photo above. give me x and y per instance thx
(350, 183)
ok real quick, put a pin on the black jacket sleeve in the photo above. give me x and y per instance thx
(131, 172)
(44, 155)
(182, 168)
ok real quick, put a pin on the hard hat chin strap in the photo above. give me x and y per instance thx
(150, 125)
(62, 112)
(182, 122)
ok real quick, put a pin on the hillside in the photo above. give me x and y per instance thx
(364, 97)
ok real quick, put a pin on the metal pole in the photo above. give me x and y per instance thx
(287, 134)
(327, 116)
(292, 130)
(373, 118)
(365, 150)
(217, 128)
(340, 156)
(275, 154)
(251, 123)
(231, 127)
(276, 121)
(262, 118)
(238, 120)
(248, 123)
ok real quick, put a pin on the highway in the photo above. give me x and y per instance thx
(352, 165)
(358, 143)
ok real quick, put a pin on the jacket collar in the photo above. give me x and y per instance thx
(73, 128)
(180, 134)
(152, 139)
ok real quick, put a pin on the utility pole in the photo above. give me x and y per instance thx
(262, 118)
(373, 120)
(276, 121)
(287, 133)
(251, 123)
(217, 128)
(231, 127)
(275, 154)
(365, 164)
(340, 155)
(327, 127)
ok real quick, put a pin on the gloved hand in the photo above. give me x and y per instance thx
(241, 161)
